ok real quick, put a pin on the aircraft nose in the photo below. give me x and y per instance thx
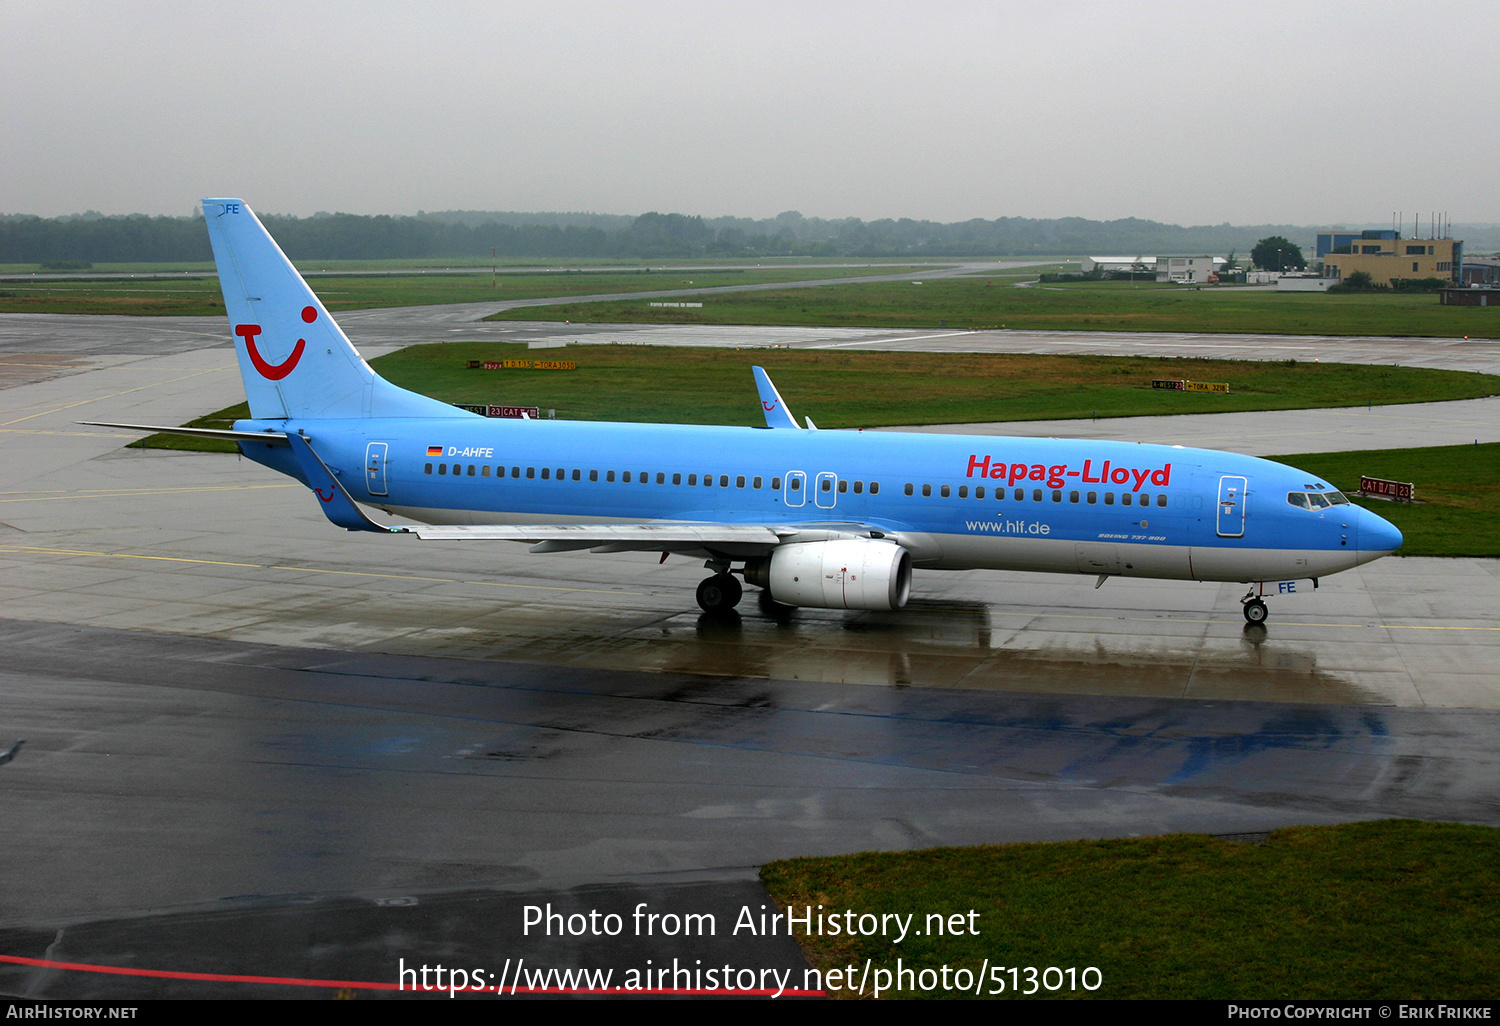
(1377, 535)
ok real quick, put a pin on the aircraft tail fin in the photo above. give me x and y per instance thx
(771, 403)
(294, 359)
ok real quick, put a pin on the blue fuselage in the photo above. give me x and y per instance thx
(954, 501)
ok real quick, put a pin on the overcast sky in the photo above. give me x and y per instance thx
(1193, 113)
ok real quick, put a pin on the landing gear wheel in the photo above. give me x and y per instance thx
(719, 592)
(1256, 612)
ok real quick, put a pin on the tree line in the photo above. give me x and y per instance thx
(469, 234)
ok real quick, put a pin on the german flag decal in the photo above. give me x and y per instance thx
(434, 450)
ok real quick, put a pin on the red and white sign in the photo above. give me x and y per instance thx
(1380, 488)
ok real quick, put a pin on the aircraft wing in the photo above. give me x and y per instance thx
(684, 538)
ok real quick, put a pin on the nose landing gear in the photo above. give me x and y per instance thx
(1255, 610)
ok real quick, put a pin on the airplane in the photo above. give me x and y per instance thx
(818, 519)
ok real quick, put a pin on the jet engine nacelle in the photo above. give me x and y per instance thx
(850, 573)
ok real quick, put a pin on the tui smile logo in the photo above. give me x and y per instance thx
(274, 371)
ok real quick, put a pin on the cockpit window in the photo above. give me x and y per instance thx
(1316, 500)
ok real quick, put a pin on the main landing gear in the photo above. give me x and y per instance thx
(1255, 610)
(719, 593)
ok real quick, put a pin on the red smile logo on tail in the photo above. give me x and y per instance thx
(274, 371)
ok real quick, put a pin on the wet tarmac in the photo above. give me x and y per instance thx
(245, 729)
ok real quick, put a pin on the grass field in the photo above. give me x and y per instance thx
(1457, 512)
(1383, 910)
(178, 296)
(873, 389)
(977, 302)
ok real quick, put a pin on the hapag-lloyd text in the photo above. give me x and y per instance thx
(1056, 476)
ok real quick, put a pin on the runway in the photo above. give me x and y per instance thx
(245, 728)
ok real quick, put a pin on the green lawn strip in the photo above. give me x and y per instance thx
(178, 296)
(872, 389)
(221, 420)
(1457, 512)
(1091, 306)
(1383, 910)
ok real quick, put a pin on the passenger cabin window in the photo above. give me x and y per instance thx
(908, 488)
(593, 475)
(874, 487)
(945, 491)
(775, 484)
(442, 468)
(427, 469)
(484, 471)
(609, 476)
(926, 490)
(979, 492)
(755, 482)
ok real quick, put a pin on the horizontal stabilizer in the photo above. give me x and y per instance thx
(273, 437)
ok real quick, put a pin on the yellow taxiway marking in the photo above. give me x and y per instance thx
(66, 434)
(39, 550)
(1174, 619)
(126, 391)
(111, 493)
(121, 555)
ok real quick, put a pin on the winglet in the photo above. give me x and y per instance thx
(336, 503)
(771, 403)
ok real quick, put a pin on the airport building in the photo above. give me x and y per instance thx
(1385, 260)
(1138, 264)
(1188, 268)
(1481, 270)
(1335, 240)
